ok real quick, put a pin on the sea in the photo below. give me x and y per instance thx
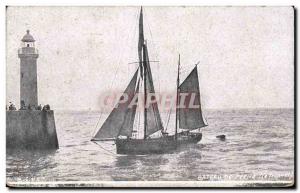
(259, 147)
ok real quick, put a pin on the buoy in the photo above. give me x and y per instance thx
(221, 137)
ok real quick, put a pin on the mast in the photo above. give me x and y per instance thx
(142, 61)
(145, 95)
(141, 41)
(152, 119)
(177, 96)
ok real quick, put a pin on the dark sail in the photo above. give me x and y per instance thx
(116, 119)
(154, 122)
(190, 114)
(127, 127)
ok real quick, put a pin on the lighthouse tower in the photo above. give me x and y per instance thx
(30, 127)
(28, 55)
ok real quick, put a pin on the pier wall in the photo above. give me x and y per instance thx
(31, 129)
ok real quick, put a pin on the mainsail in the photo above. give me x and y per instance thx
(190, 114)
(121, 115)
(154, 122)
(121, 119)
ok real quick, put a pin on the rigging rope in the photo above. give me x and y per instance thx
(105, 149)
(138, 128)
(168, 119)
(169, 115)
(154, 112)
(94, 132)
(155, 53)
(113, 81)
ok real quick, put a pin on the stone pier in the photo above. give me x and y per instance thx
(31, 129)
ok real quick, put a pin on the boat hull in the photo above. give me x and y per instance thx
(190, 138)
(148, 146)
(156, 145)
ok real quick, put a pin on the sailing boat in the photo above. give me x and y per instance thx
(119, 126)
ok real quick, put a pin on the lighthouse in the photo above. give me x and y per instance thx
(31, 127)
(28, 55)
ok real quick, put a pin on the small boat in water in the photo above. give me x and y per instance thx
(221, 137)
(120, 124)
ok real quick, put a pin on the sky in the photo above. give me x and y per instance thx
(246, 54)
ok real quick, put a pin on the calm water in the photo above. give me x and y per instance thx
(259, 146)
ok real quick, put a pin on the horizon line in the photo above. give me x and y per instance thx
(231, 108)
